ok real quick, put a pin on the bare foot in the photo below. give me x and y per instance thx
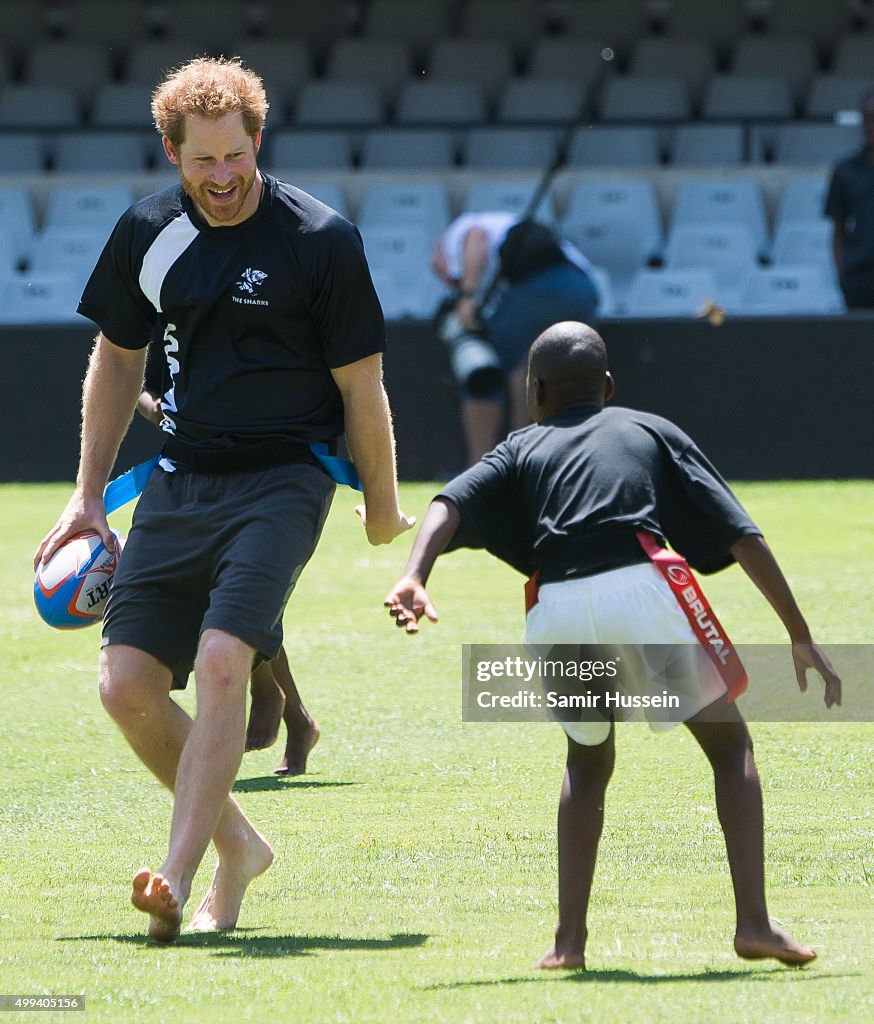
(268, 703)
(752, 944)
(152, 894)
(297, 748)
(567, 961)
(220, 907)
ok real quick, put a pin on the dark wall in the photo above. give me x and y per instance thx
(766, 399)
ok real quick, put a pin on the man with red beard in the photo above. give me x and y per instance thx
(273, 337)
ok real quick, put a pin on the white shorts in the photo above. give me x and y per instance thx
(632, 609)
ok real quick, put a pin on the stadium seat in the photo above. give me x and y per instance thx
(8, 261)
(621, 247)
(692, 60)
(338, 103)
(725, 200)
(719, 23)
(793, 56)
(102, 151)
(630, 201)
(830, 94)
(486, 61)
(509, 148)
(618, 22)
(407, 149)
(149, 60)
(512, 196)
(38, 106)
(328, 193)
(318, 21)
(39, 299)
(16, 216)
(599, 146)
(418, 22)
(644, 98)
(815, 143)
(108, 22)
(820, 20)
(284, 64)
(708, 145)
(572, 60)
(803, 243)
(424, 206)
(747, 96)
(854, 56)
(24, 23)
(69, 251)
(384, 62)
(398, 256)
(81, 66)
(727, 249)
(606, 298)
(213, 24)
(311, 151)
(123, 105)
(97, 207)
(677, 293)
(517, 21)
(429, 102)
(21, 153)
(802, 199)
(789, 291)
(541, 101)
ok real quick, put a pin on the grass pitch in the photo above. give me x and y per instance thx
(415, 877)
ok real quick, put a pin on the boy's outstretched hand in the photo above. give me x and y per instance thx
(407, 602)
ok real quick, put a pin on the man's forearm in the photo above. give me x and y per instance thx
(112, 386)
(437, 530)
(370, 438)
(757, 561)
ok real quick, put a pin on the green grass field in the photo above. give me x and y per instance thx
(415, 872)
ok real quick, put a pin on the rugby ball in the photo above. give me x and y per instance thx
(71, 588)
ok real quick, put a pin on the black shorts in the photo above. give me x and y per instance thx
(215, 551)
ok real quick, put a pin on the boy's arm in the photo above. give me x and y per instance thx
(408, 601)
(149, 407)
(758, 562)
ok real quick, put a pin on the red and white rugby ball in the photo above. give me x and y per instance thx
(71, 588)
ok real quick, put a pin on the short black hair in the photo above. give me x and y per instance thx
(571, 359)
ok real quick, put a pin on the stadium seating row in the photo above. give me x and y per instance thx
(419, 21)
(86, 65)
(628, 98)
(718, 231)
(504, 148)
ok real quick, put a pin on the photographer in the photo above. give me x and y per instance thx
(538, 280)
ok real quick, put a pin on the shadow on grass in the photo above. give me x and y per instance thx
(272, 783)
(256, 944)
(618, 974)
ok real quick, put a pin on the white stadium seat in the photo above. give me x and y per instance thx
(745, 96)
(541, 100)
(512, 196)
(102, 151)
(510, 148)
(328, 193)
(726, 200)
(790, 291)
(679, 293)
(338, 103)
(803, 198)
(407, 149)
(387, 63)
(36, 299)
(88, 206)
(727, 249)
(645, 98)
(81, 66)
(22, 153)
(425, 206)
(398, 256)
(38, 106)
(804, 243)
(708, 145)
(303, 150)
(429, 102)
(414, 21)
(16, 216)
(602, 146)
(486, 61)
(123, 105)
(815, 143)
(69, 251)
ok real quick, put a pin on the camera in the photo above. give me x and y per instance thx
(474, 362)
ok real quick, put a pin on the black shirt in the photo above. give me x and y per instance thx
(850, 203)
(252, 317)
(567, 496)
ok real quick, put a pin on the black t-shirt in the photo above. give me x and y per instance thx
(252, 317)
(850, 202)
(567, 495)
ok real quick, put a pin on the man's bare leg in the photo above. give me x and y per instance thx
(303, 729)
(580, 822)
(268, 704)
(481, 421)
(729, 748)
(134, 688)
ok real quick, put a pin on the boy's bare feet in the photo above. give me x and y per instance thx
(760, 944)
(153, 896)
(297, 748)
(220, 907)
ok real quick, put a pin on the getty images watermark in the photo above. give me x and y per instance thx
(659, 683)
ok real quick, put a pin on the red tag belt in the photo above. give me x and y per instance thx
(694, 605)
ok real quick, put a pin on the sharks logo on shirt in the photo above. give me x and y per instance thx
(249, 283)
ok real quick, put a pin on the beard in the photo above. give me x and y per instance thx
(214, 208)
